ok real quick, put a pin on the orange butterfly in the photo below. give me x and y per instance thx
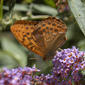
(43, 37)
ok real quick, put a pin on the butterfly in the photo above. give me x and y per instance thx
(41, 37)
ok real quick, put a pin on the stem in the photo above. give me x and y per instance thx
(1, 9)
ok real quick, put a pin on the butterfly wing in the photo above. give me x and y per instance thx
(23, 30)
(43, 38)
(52, 31)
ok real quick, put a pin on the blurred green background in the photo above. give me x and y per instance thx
(13, 54)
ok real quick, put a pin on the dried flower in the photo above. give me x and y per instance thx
(62, 5)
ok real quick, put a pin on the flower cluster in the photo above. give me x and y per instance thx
(18, 76)
(67, 65)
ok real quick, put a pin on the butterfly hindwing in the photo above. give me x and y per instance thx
(52, 31)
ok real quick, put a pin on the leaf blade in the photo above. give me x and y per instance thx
(78, 10)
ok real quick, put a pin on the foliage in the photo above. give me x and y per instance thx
(78, 9)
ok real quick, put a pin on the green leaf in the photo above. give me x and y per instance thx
(1, 9)
(28, 1)
(35, 8)
(14, 50)
(83, 72)
(18, 7)
(6, 60)
(78, 9)
(50, 2)
(81, 44)
(44, 9)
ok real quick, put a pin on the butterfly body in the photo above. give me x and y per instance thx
(43, 37)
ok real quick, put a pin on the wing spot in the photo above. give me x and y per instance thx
(27, 33)
(39, 28)
(31, 47)
(59, 26)
(53, 18)
(24, 35)
(26, 27)
(43, 30)
(23, 39)
(56, 30)
(51, 28)
(31, 27)
(46, 27)
(58, 20)
(53, 24)
(43, 25)
(49, 23)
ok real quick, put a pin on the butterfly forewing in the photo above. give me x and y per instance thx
(23, 32)
(42, 37)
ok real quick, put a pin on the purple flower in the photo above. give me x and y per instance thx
(67, 65)
(18, 76)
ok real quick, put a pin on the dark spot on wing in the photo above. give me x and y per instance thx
(56, 30)
(39, 28)
(43, 30)
(59, 26)
(26, 27)
(32, 47)
(53, 24)
(46, 27)
(24, 36)
(23, 39)
(58, 20)
(51, 28)
(43, 25)
(27, 33)
(49, 23)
